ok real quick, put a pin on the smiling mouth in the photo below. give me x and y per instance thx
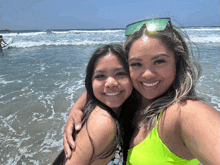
(150, 84)
(112, 94)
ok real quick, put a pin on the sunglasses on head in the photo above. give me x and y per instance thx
(152, 25)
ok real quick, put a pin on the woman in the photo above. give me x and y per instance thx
(108, 86)
(173, 126)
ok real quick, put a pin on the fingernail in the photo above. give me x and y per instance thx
(77, 127)
(66, 155)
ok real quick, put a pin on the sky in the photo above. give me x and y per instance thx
(103, 14)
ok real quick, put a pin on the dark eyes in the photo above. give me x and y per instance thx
(99, 76)
(121, 73)
(118, 74)
(137, 64)
(159, 61)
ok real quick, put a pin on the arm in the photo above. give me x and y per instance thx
(201, 131)
(102, 130)
(1, 40)
(74, 120)
(4, 42)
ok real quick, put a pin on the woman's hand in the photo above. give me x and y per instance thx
(74, 123)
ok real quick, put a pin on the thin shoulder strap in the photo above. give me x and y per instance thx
(159, 115)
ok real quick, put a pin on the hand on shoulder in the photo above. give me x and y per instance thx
(95, 138)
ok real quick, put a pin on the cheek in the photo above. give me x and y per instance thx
(134, 81)
(133, 75)
(96, 88)
(170, 73)
(173, 70)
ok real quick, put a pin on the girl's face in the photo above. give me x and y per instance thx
(110, 82)
(152, 67)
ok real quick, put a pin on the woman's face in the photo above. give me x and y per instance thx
(111, 83)
(152, 67)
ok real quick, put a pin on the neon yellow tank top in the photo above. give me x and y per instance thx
(152, 151)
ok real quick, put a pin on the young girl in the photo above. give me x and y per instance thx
(108, 86)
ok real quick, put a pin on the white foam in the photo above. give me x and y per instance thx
(23, 34)
(87, 31)
(203, 29)
(5, 82)
(96, 37)
(28, 44)
(207, 39)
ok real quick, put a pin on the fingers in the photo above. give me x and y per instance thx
(69, 138)
(68, 144)
(73, 121)
(67, 148)
(78, 120)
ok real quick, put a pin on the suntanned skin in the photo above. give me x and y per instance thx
(193, 126)
(81, 102)
(112, 86)
(189, 129)
(102, 130)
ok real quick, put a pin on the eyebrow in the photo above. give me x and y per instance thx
(135, 59)
(159, 55)
(119, 68)
(153, 58)
(116, 69)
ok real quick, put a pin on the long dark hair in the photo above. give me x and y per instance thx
(127, 108)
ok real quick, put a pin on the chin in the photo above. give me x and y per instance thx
(113, 106)
(151, 97)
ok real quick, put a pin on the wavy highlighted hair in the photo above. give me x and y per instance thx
(187, 72)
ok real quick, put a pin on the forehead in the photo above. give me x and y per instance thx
(148, 46)
(109, 60)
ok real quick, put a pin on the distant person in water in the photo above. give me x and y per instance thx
(1, 40)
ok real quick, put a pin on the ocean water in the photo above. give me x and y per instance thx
(42, 75)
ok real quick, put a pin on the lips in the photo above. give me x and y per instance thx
(150, 84)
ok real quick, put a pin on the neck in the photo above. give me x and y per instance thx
(145, 103)
(117, 111)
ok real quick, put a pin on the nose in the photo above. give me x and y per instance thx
(148, 73)
(111, 82)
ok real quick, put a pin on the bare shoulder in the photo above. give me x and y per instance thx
(200, 124)
(191, 115)
(102, 129)
(198, 119)
(198, 110)
(100, 122)
(95, 138)
(197, 125)
(191, 109)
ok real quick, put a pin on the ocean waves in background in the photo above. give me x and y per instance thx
(24, 39)
(42, 75)
(71, 37)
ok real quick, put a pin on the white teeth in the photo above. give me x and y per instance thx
(112, 94)
(150, 85)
